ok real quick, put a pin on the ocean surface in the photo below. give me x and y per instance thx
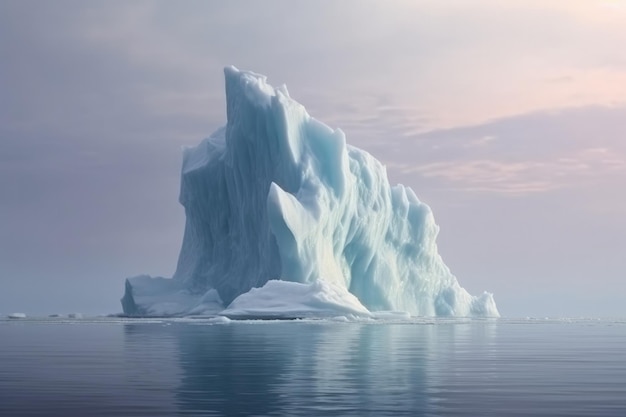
(200, 367)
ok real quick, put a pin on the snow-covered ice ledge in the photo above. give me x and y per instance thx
(284, 219)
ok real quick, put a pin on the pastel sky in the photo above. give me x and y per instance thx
(507, 117)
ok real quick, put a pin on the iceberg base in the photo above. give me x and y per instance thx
(147, 296)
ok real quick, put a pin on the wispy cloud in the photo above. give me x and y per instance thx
(483, 141)
(519, 178)
(526, 154)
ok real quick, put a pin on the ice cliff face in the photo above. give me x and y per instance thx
(278, 195)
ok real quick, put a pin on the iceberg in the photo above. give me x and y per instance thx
(285, 219)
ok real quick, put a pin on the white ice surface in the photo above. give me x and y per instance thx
(284, 299)
(278, 195)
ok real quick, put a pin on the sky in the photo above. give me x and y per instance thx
(507, 118)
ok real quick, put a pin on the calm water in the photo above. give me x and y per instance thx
(428, 368)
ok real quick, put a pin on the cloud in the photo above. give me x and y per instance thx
(521, 178)
(534, 153)
(483, 141)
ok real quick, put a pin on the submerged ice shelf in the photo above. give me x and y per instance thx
(284, 219)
